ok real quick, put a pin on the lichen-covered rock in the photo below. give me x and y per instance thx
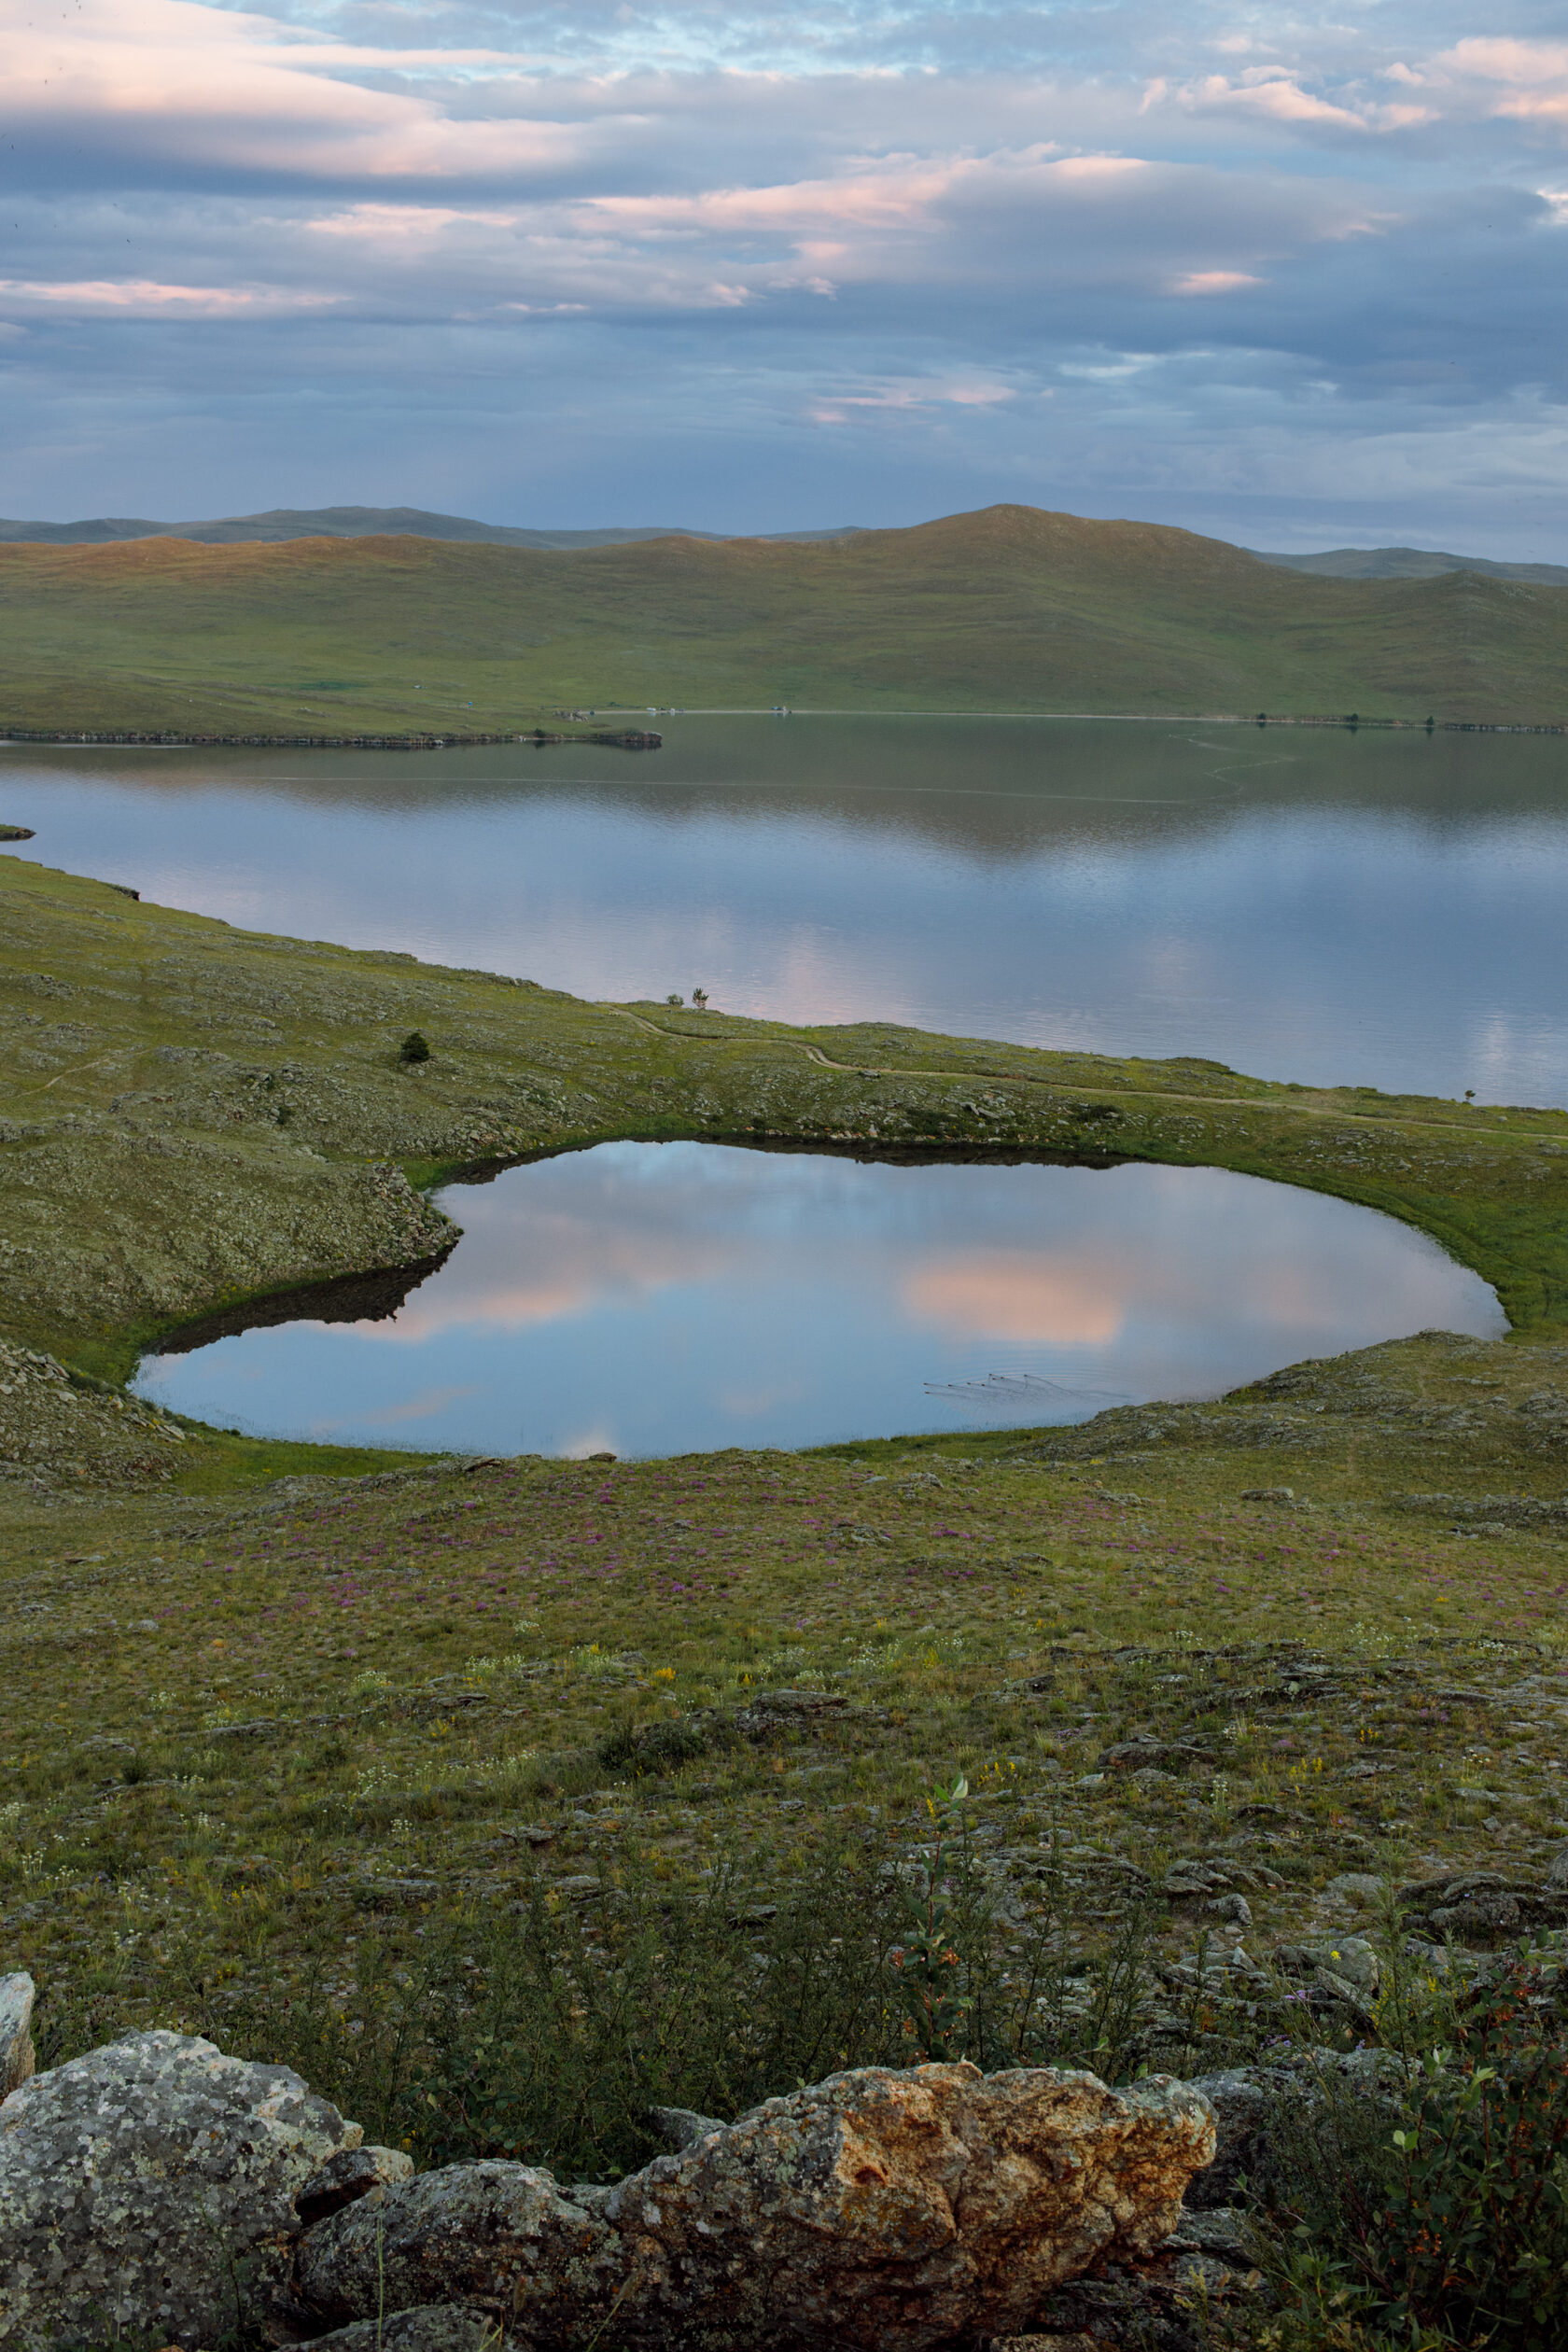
(16, 2032)
(433, 2328)
(498, 2235)
(879, 2209)
(148, 2189)
(353, 2172)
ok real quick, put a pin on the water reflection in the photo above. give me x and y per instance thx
(1372, 909)
(656, 1298)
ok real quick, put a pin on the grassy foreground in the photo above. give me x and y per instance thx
(504, 1799)
(1009, 609)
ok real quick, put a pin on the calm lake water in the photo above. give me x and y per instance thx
(1370, 908)
(664, 1297)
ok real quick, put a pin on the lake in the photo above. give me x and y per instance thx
(1368, 908)
(648, 1299)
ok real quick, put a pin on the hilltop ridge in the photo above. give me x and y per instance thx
(358, 522)
(1009, 609)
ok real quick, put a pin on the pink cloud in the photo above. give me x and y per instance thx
(1214, 282)
(147, 298)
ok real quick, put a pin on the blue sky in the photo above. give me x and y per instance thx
(1295, 281)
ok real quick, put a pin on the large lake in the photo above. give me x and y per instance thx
(1372, 908)
(666, 1298)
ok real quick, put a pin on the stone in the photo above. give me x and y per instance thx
(353, 2172)
(769, 1711)
(681, 2127)
(1242, 2099)
(1145, 1754)
(1221, 2230)
(430, 2327)
(148, 2189)
(1355, 1887)
(1479, 1918)
(882, 2210)
(16, 2032)
(1350, 1958)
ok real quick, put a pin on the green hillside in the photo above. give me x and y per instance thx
(1006, 609)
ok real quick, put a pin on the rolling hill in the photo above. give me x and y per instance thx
(1009, 609)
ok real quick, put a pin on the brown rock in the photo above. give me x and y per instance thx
(879, 2211)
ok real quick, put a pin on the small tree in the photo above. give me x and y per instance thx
(414, 1048)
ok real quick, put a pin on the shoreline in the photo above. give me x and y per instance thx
(650, 739)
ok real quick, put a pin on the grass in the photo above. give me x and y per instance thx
(454, 1786)
(1009, 609)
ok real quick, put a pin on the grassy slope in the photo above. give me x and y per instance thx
(194, 1116)
(1009, 609)
(273, 1739)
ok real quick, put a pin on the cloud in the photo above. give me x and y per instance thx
(1169, 264)
(143, 298)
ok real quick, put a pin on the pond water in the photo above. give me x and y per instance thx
(647, 1298)
(1365, 908)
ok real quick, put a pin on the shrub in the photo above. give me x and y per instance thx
(1447, 2221)
(414, 1048)
(546, 2031)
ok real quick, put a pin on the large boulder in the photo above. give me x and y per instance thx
(879, 2209)
(148, 2189)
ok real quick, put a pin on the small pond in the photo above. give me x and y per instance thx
(655, 1298)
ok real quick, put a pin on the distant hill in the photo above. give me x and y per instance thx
(1410, 563)
(1008, 609)
(293, 523)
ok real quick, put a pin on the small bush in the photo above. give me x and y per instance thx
(651, 1747)
(547, 2031)
(1446, 2222)
(414, 1048)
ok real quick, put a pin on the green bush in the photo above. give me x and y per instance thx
(1444, 2224)
(546, 2031)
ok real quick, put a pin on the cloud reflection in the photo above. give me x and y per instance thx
(646, 1298)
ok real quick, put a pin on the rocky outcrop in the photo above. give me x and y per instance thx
(16, 2032)
(148, 2189)
(894, 2210)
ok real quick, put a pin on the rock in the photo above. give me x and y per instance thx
(883, 2211)
(430, 2327)
(148, 2189)
(682, 2127)
(769, 1711)
(1355, 1887)
(1221, 2230)
(1479, 1907)
(1144, 1754)
(1350, 1958)
(16, 2032)
(353, 2172)
(1241, 2098)
(1479, 1918)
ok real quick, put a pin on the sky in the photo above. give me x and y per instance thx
(1292, 280)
